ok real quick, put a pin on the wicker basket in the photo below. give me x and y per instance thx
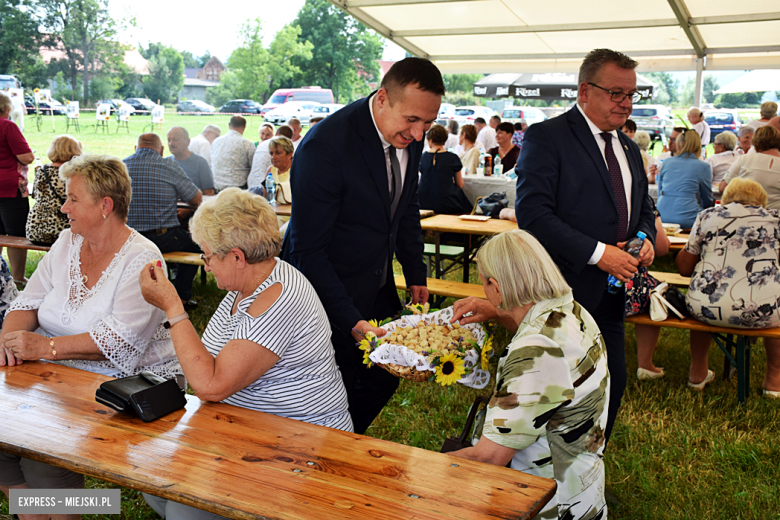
(410, 373)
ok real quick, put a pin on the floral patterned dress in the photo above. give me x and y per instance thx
(736, 282)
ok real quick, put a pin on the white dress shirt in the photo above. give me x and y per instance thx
(400, 153)
(625, 170)
(486, 139)
(721, 162)
(201, 146)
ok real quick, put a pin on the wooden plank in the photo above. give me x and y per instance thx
(245, 464)
(692, 324)
(671, 278)
(453, 224)
(180, 257)
(677, 242)
(447, 288)
(20, 243)
(425, 213)
(283, 210)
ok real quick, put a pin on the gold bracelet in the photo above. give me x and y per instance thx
(53, 352)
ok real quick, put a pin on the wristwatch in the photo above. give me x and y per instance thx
(176, 319)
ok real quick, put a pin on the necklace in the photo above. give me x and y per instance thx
(84, 277)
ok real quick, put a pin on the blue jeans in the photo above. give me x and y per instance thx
(177, 239)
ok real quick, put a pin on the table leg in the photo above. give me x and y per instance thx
(437, 255)
(466, 258)
(741, 383)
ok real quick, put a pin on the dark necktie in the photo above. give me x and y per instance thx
(617, 186)
(395, 184)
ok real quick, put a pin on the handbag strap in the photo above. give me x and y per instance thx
(472, 415)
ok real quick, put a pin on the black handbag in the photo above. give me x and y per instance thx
(148, 395)
(676, 299)
(458, 443)
(493, 204)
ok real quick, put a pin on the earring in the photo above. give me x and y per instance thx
(104, 217)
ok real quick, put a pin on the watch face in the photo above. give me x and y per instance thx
(167, 324)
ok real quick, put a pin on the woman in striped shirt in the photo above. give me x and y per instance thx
(267, 347)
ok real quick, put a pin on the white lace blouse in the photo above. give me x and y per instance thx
(126, 329)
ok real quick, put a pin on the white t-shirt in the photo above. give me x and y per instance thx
(260, 164)
(201, 146)
(703, 129)
(762, 168)
(486, 139)
(721, 162)
(305, 384)
(126, 329)
(757, 123)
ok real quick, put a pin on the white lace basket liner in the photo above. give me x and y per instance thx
(389, 353)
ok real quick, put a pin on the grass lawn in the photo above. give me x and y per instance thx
(674, 453)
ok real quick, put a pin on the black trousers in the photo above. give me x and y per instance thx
(177, 239)
(610, 316)
(368, 389)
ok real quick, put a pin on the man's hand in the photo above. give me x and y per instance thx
(360, 329)
(617, 262)
(646, 254)
(419, 294)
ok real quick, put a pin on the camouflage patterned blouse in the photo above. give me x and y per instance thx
(550, 404)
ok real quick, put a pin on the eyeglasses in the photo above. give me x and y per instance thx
(206, 258)
(619, 97)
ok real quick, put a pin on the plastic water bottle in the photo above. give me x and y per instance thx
(498, 168)
(270, 188)
(480, 167)
(632, 247)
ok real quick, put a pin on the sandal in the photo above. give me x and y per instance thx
(700, 386)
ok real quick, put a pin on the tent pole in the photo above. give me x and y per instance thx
(697, 95)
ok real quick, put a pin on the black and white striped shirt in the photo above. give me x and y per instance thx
(305, 384)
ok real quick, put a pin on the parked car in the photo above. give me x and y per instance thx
(8, 81)
(141, 104)
(55, 107)
(446, 111)
(195, 105)
(325, 110)
(285, 95)
(722, 120)
(115, 104)
(300, 109)
(656, 120)
(241, 106)
(467, 114)
(530, 114)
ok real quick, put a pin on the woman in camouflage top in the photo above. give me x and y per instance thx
(549, 409)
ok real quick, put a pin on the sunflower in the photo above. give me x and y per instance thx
(484, 356)
(449, 369)
(373, 323)
(366, 346)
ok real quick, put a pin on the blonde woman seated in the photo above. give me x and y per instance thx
(267, 347)
(83, 306)
(469, 157)
(46, 221)
(731, 257)
(549, 410)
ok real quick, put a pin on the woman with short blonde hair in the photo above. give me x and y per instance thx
(46, 221)
(548, 411)
(267, 347)
(684, 182)
(745, 192)
(104, 176)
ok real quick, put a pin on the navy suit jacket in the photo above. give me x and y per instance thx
(565, 199)
(340, 234)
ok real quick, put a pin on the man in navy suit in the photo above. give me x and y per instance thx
(354, 181)
(582, 191)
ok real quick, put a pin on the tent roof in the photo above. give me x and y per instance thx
(754, 81)
(487, 36)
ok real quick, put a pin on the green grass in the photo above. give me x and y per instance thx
(674, 453)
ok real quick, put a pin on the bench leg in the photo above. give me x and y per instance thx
(726, 360)
(742, 348)
(466, 258)
(437, 258)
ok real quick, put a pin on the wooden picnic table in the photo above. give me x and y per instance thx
(246, 464)
(677, 242)
(283, 210)
(438, 224)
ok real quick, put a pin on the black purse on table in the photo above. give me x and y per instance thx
(148, 395)
(493, 204)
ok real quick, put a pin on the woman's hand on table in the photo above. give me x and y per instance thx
(7, 357)
(481, 311)
(156, 289)
(23, 345)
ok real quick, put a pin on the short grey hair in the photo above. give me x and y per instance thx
(280, 141)
(212, 128)
(240, 219)
(746, 130)
(768, 109)
(6, 105)
(642, 139)
(294, 121)
(727, 139)
(523, 268)
(596, 59)
(105, 176)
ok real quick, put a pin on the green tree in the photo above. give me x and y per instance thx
(740, 100)
(461, 82)
(709, 86)
(227, 89)
(345, 52)
(166, 72)
(204, 59)
(284, 53)
(667, 92)
(190, 61)
(20, 42)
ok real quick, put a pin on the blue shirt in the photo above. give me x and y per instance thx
(157, 185)
(684, 189)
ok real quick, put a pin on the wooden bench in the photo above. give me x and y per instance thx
(671, 278)
(21, 243)
(245, 464)
(446, 288)
(735, 344)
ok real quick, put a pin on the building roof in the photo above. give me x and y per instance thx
(195, 82)
(190, 72)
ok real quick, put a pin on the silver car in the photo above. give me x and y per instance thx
(656, 120)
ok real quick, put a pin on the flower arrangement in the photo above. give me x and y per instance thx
(425, 347)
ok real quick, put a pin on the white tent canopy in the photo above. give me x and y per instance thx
(754, 81)
(489, 36)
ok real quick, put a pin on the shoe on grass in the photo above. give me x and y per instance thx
(642, 373)
(700, 386)
(769, 394)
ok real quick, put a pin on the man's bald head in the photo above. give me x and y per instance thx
(179, 142)
(151, 141)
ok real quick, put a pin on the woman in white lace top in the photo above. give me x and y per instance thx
(83, 305)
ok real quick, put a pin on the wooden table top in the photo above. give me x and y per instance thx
(283, 210)
(425, 213)
(677, 242)
(454, 224)
(246, 464)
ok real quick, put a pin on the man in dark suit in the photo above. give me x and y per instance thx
(354, 181)
(582, 191)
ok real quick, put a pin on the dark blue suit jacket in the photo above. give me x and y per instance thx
(565, 199)
(340, 233)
